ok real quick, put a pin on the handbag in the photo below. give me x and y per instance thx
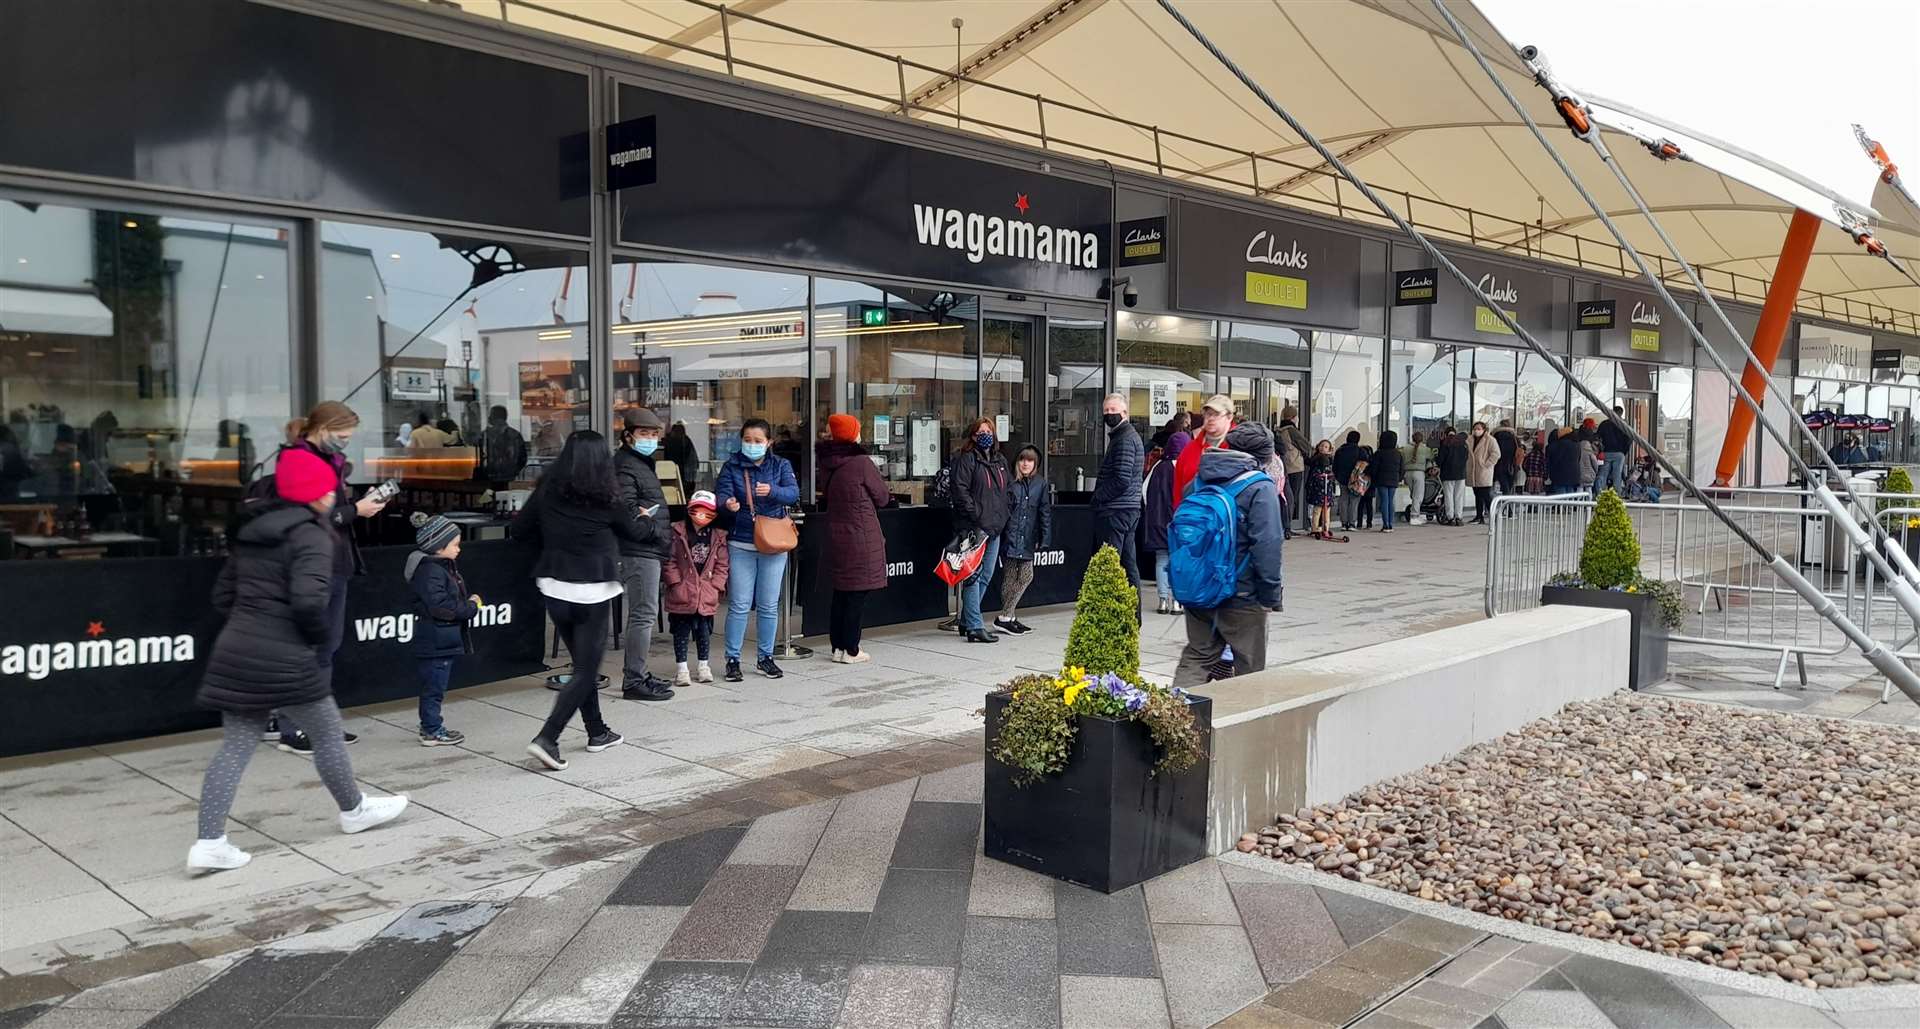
(771, 535)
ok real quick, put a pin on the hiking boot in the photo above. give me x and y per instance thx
(215, 855)
(733, 670)
(703, 672)
(603, 740)
(767, 668)
(371, 812)
(547, 754)
(444, 738)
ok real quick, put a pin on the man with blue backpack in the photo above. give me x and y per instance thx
(1224, 546)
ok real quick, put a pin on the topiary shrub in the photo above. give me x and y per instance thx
(1106, 632)
(1610, 555)
(1898, 481)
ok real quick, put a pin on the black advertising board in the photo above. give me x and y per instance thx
(630, 154)
(1143, 241)
(1886, 359)
(735, 183)
(1530, 297)
(1590, 315)
(1641, 327)
(1416, 287)
(1254, 266)
(113, 650)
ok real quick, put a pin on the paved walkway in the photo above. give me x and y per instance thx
(878, 911)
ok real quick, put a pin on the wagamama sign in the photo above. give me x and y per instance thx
(981, 236)
(36, 661)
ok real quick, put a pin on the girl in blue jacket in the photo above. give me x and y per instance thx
(753, 482)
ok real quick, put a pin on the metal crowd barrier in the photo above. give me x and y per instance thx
(1733, 600)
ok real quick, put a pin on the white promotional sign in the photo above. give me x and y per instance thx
(1160, 406)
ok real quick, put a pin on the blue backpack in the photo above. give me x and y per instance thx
(1201, 540)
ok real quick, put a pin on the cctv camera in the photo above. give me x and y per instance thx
(1129, 296)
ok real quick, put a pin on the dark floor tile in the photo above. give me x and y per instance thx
(1321, 1005)
(735, 912)
(1103, 933)
(374, 979)
(1392, 958)
(799, 935)
(938, 835)
(248, 993)
(1635, 998)
(1359, 919)
(18, 991)
(674, 872)
(1491, 1022)
(285, 1021)
(682, 993)
(1009, 977)
(919, 917)
(1551, 981)
(797, 994)
(21, 1016)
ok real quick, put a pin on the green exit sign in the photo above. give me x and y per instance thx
(871, 316)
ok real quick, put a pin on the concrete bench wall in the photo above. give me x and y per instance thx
(1313, 732)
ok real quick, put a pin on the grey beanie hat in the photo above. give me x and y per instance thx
(431, 533)
(1252, 438)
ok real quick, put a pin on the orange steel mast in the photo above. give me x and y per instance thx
(1782, 296)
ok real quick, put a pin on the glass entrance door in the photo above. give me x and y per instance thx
(1262, 394)
(1642, 413)
(1006, 371)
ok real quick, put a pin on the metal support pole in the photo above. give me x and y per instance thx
(1775, 317)
(784, 636)
(726, 39)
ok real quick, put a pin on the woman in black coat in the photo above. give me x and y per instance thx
(856, 549)
(982, 498)
(274, 591)
(576, 518)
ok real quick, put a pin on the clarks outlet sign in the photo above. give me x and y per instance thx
(1527, 297)
(1232, 263)
(734, 183)
(1642, 326)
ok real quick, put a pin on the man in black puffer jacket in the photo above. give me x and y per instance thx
(640, 493)
(1116, 497)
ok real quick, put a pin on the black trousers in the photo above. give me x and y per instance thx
(843, 619)
(1119, 529)
(584, 627)
(1296, 497)
(1504, 476)
(1482, 502)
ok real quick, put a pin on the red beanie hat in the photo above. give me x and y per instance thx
(843, 427)
(302, 477)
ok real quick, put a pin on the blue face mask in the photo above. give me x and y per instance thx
(646, 446)
(754, 451)
(983, 440)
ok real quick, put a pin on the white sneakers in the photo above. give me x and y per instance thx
(841, 657)
(215, 855)
(680, 676)
(371, 812)
(703, 672)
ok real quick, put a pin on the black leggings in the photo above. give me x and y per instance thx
(1482, 502)
(584, 627)
(843, 619)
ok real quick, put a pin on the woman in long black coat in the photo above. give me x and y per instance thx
(274, 592)
(856, 548)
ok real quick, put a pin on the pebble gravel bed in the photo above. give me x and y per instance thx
(1778, 845)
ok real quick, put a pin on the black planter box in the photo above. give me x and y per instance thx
(1105, 822)
(1648, 664)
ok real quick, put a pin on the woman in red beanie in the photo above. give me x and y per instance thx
(274, 591)
(856, 549)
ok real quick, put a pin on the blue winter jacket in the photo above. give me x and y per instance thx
(731, 482)
(1259, 528)
(1030, 520)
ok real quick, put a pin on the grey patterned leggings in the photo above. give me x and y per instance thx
(320, 720)
(1015, 576)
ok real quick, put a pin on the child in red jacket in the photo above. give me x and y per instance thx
(695, 574)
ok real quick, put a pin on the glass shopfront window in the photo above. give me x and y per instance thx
(1597, 375)
(1675, 397)
(1174, 353)
(1540, 393)
(906, 363)
(1420, 398)
(431, 338)
(1347, 391)
(145, 369)
(1076, 370)
(1483, 385)
(1006, 363)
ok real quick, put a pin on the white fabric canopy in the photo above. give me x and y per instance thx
(53, 311)
(1383, 82)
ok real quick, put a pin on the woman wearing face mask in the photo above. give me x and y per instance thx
(754, 482)
(276, 592)
(1483, 455)
(640, 560)
(982, 499)
(1029, 529)
(326, 432)
(856, 550)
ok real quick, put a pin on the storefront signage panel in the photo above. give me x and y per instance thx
(1637, 327)
(734, 183)
(1416, 288)
(1530, 298)
(111, 650)
(1589, 315)
(1142, 242)
(1249, 266)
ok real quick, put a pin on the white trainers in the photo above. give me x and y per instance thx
(371, 812)
(839, 656)
(680, 676)
(855, 659)
(703, 672)
(215, 855)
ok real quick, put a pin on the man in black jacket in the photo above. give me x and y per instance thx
(1116, 497)
(1614, 445)
(642, 498)
(1343, 461)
